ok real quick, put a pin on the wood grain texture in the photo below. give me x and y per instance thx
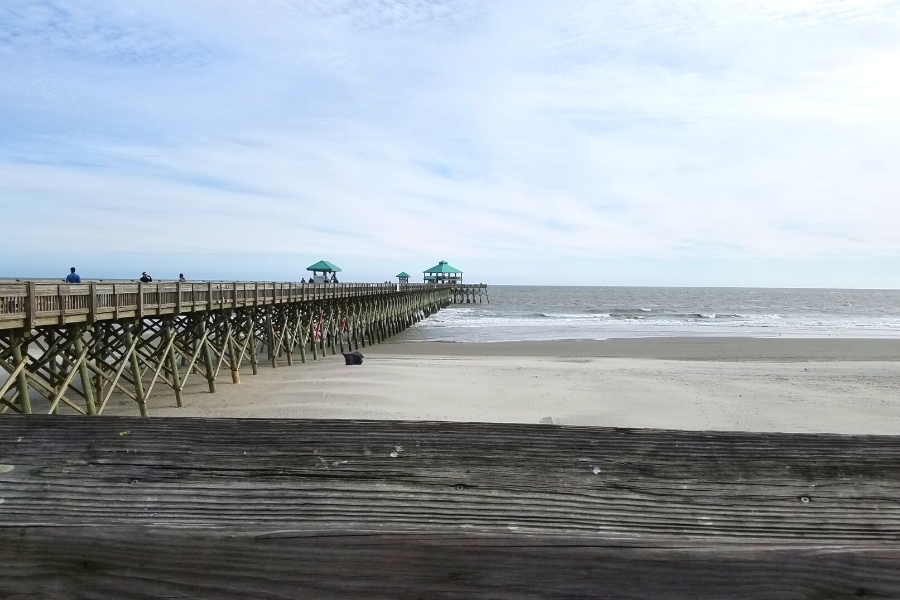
(127, 507)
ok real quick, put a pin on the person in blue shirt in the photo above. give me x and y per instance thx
(73, 277)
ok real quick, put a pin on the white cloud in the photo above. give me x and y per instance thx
(391, 132)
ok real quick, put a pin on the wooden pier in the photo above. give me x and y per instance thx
(250, 508)
(470, 293)
(69, 348)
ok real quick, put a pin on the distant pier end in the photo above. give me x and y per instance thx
(444, 274)
(470, 293)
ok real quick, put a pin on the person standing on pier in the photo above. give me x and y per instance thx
(181, 277)
(73, 277)
(145, 278)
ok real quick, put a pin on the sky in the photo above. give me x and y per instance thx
(582, 142)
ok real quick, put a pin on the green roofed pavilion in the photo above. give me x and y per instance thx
(324, 266)
(321, 270)
(443, 273)
(402, 277)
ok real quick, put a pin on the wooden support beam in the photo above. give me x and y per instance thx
(270, 333)
(302, 333)
(284, 341)
(234, 362)
(161, 358)
(173, 363)
(207, 356)
(84, 374)
(22, 375)
(132, 341)
(332, 327)
(254, 350)
(100, 357)
(13, 378)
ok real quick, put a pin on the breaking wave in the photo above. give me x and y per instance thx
(521, 312)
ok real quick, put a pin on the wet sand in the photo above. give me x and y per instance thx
(794, 385)
(671, 348)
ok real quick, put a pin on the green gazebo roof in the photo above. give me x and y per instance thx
(324, 265)
(402, 274)
(442, 267)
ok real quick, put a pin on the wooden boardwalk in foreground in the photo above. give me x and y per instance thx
(200, 508)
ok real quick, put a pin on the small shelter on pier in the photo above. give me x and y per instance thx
(443, 273)
(321, 271)
(402, 277)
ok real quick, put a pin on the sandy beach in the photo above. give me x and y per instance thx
(793, 385)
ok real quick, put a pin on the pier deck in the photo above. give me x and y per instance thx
(202, 508)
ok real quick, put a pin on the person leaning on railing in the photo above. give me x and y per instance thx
(73, 277)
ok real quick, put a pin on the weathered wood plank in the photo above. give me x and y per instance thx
(123, 562)
(124, 507)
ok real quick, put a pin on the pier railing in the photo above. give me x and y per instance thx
(35, 303)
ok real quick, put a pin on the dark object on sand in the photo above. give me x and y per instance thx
(353, 358)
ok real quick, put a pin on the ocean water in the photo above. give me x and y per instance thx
(551, 312)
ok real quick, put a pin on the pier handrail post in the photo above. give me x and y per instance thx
(92, 303)
(31, 305)
(61, 292)
(140, 302)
